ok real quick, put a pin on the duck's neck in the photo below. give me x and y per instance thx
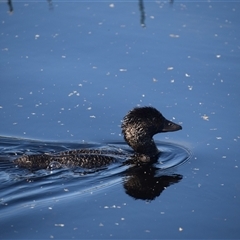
(145, 146)
(149, 148)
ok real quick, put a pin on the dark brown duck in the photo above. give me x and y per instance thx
(138, 128)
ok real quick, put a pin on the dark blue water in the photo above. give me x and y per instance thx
(23, 190)
(171, 156)
(69, 72)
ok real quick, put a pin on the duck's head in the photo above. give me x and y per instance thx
(139, 126)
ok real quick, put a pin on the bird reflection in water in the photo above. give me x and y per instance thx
(147, 182)
(142, 12)
(10, 5)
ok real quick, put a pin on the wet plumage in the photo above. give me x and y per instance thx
(138, 128)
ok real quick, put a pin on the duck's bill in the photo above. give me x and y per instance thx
(170, 126)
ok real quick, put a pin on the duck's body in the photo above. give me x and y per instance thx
(138, 128)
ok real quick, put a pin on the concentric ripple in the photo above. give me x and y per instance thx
(172, 155)
(19, 185)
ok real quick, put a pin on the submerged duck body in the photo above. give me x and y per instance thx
(138, 128)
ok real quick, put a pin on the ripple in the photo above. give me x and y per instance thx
(172, 155)
(20, 185)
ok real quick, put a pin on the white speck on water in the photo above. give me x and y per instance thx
(101, 225)
(205, 117)
(92, 116)
(111, 5)
(218, 56)
(55, 35)
(172, 81)
(170, 68)
(174, 35)
(59, 225)
(1, 107)
(63, 56)
(180, 229)
(190, 87)
(37, 36)
(32, 206)
(187, 75)
(122, 70)
(155, 80)
(74, 93)
(218, 138)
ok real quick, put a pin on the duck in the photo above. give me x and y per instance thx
(138, 128)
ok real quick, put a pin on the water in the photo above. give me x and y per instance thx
(23, 190)
(71, 71)
(79, 178)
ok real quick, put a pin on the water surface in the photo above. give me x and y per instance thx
(71, 71)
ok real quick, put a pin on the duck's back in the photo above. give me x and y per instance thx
(85, 158)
